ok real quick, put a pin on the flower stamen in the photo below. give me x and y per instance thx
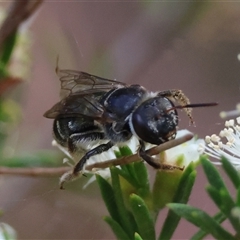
(226, 144)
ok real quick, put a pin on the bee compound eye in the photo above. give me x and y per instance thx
(144, 126)
(152, 123)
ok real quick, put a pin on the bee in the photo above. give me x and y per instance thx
(95, 111)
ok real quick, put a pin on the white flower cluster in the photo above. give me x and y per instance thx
(226, 144)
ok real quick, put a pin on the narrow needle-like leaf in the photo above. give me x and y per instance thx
(212, 174)
(137, 237)
(231, 172)
(108, 197)
(125, 218)
(225, 203)
(181, 196)
(219, 218)
(142, 217)
(117, 229)
(219, 192)
(238, 197)
(201, 220)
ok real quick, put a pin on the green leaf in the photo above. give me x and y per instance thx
(185, 185)
(128, 172)
(225, 203)
(238, 197)
(164, 188)
(117, 229)
(215, 195)
(129, 168)
(137, 237)
(142, 175)
(125, 151)
(182, 195)
(142, 217)
(108, 197)
(6, 54)
(117, 154)
(201, 220)
(231, 172)
(8, 48)
(124, 214)
(219, 218)
(125, 172)
(212, 174)
(143, 189)
(219, 192)
(236, 213)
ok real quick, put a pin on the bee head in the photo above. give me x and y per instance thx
(155, 120)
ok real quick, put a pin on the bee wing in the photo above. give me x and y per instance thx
(75, 105)
(78, 83)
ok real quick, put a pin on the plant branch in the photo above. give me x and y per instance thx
(135, 158)
(18, 12)
(35, 171)
(49, 172)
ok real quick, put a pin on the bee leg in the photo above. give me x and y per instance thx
(97, 150)
(152, 162)
(142, 153)
(76, 172)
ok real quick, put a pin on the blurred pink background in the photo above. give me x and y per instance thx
(134, 42)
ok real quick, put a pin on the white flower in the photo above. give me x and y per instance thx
(186, 152)
(7, 232)
(226, 144)
(232, 113)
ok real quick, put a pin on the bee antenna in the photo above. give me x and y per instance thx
(194, 105)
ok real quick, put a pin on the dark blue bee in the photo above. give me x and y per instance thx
(97, 110)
